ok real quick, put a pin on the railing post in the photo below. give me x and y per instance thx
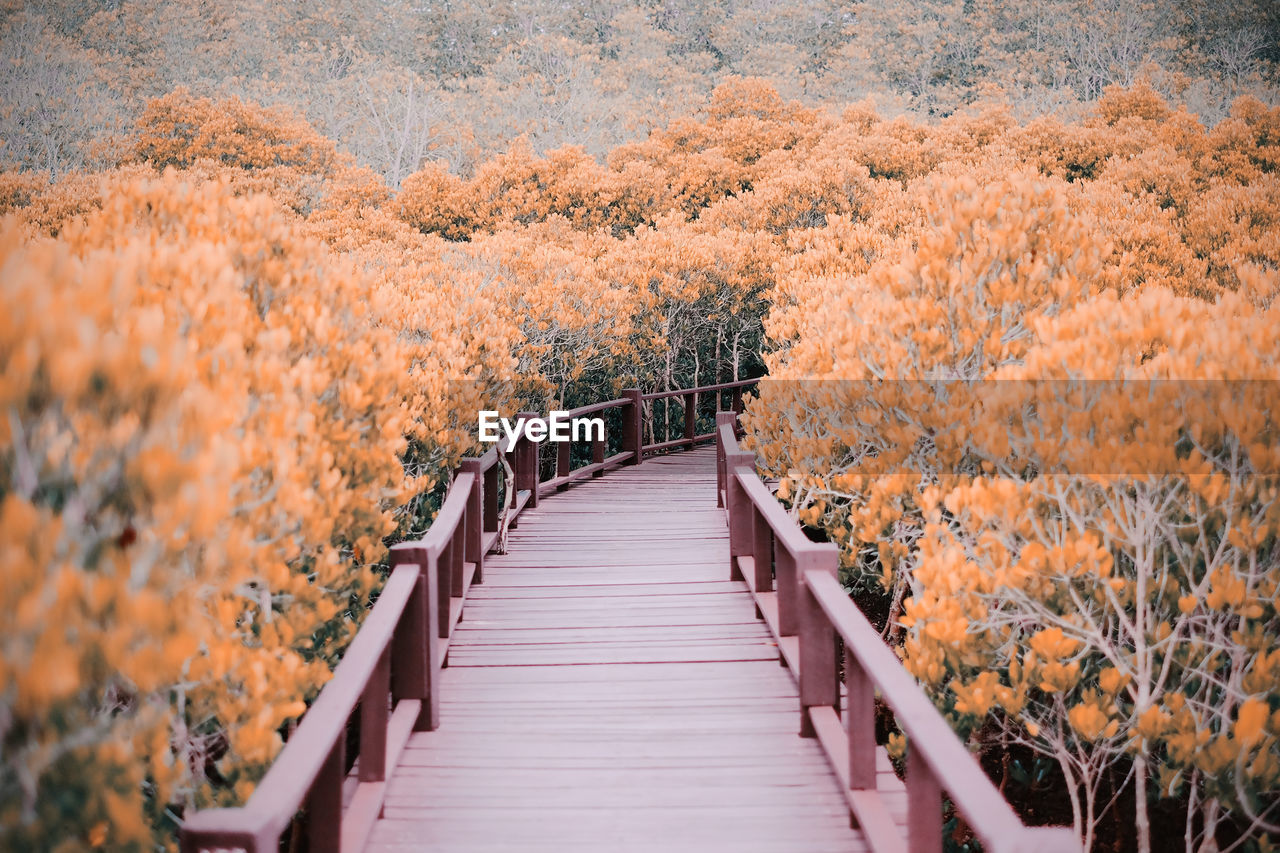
(860, 723)
(457, 566)
(633, 426)
(739, 506)
(373, 722)
(737, 399)
(415, 673)
(562, 459)
(924, 804)
(819, 681)
(762, 551)
(690, 418)
(597, 455)
(491, 500)
(324, 804)
(722, 418)
(443, 562)
(528, 468)
(474, 521)
(787, 583)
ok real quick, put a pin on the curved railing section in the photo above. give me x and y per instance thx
(690, 398)
(795, 584)
(635, 410)
(389, 675)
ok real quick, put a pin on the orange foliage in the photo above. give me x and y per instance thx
(1139, 246)
(275, 356)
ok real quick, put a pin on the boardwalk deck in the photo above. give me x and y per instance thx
(616, 692)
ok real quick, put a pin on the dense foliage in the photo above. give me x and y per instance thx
(237, 362)
(1046, 442)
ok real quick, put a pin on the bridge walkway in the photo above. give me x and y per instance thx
(609, 689)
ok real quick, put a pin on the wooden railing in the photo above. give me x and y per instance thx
(795, 584)
(389, 673)
(566, 473)
(690, 398)
(390, 670)
(632, 448)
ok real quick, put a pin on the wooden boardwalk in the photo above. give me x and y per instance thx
(611, 687)
(617, 693)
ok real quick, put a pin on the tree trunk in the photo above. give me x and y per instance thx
(716, 356)
(1090, 807)
(1141, 821)
(667, 371)
(1073, 789)
(1004, 760)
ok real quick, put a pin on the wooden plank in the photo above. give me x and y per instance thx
(478, 633)
(567, 478)
(631, 588)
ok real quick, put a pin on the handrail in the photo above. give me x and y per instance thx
(398, 652)
(806, 613)
(393, 652)
(689, 436)
(630, 454)
(703, 389)
(390, 671)
(309, 753)
(598, 407)
(632, 448)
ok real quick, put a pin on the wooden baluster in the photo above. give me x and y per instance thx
(415, 672)
(788, 606)
(527, 474)
(633, 426)
(737, 401)
(443, 562)
(924, 805)
(373, 722)
(819, 680)
(324, 804)
(597, 455)
(690, 418)
(739, 509)
(515, 458)
(473, 542)
(722, 418)
(562, 459)
(458, 565)
(733, 498)
(762, 551)
(860, 723)
(491, 503)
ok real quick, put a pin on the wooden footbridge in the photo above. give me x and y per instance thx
(612, 681)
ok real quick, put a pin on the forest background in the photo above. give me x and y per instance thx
(394, 82)
(262, 263)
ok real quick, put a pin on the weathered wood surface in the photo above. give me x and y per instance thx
(610, 690)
